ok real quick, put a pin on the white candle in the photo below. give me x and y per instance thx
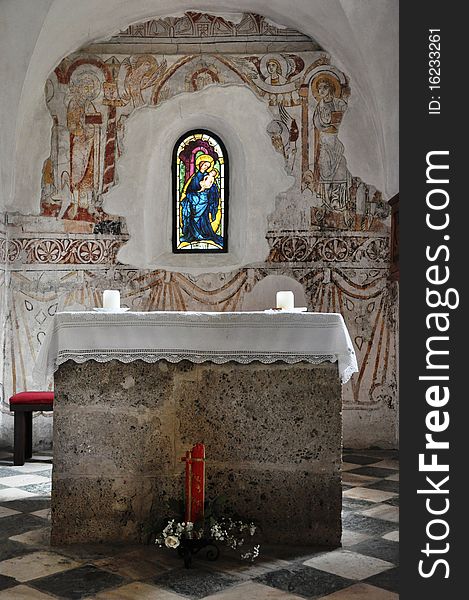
(285, 300)
(111, 299)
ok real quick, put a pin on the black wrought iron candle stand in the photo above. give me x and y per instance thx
(189, 547)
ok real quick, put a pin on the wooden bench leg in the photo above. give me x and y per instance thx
(19, 438)
(29, 435)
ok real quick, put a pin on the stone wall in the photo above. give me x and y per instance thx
(321, 227)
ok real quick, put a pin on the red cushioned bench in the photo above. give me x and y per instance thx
(23, 405)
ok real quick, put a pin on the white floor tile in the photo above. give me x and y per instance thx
(252, 591)
(39, 538)
(392, 535)
(34, 467)
(21, 480)
(348, 466)
(383, 511)
(386, 464)
(350, 565)
(44, 513)
(7, 512)
(354, 479)
(23, 592)
(350, 538)
(140, 591)
(362, 591)
(361, 493)
(14, 494)
(34, 565)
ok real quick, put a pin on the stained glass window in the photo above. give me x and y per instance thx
(200, 193)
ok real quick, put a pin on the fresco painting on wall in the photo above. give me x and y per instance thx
(330, 231)
(330, 168)
(200, 173)
(92, 94)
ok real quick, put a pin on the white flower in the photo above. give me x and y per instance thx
(171, 541)
(251, 555)
(189, 526)
(168, 527)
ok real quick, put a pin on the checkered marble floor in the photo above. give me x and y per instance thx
(364, 568)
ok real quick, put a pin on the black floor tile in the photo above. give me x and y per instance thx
(359, 459)
(389, 580)
(384, 485)
(378, 548)
(16, 524)
(373, 471)
(10, 549)
(304, 581)
(355, 504)
(77, 583)
(378, 452)
(195, 583)
(7, 582)
(292, 553)
(365, 524)
(31, 504)
(91, 552)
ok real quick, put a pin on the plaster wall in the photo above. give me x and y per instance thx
(336, 264)
(3, 299)
(237, 116)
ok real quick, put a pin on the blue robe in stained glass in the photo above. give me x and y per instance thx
(198, 209)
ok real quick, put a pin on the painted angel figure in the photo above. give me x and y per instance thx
(275, 76)
(141, 74)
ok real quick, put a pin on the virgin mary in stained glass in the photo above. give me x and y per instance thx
(200, 176)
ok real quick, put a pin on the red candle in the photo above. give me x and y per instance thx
(195, 483)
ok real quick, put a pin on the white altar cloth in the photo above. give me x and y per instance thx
(219, 337)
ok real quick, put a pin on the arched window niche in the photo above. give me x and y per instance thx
(200, 171)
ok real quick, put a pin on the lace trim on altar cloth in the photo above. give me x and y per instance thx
(127, 356)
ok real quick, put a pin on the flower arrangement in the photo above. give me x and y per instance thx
(188, 538)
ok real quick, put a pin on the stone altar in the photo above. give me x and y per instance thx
(272, 433)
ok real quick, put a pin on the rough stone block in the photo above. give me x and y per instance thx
(116, 384)
(292, 507)
(107, 442)
(241, 416)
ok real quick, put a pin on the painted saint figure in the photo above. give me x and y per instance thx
(83, 123)
(200, 208)
(330, 169)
